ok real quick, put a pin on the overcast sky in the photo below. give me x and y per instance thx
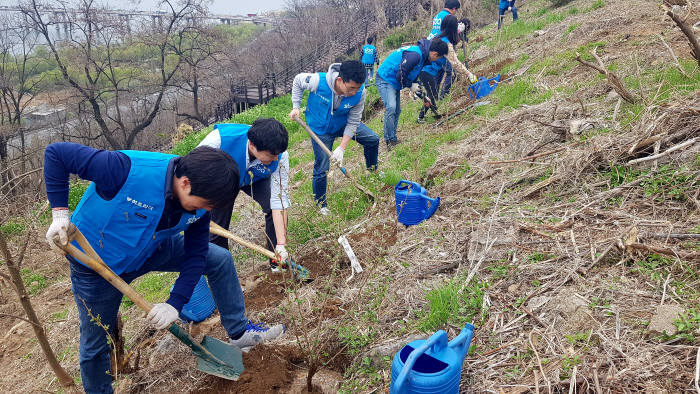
(230, 7)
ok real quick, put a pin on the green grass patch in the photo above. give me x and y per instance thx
(598, 4)
(13, 227)
(35, 282)
(75, 193)
(521, 91)
(452, 303)
(154, 287)
(410, 32)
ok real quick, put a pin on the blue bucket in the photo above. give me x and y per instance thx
(412, 203)
(201, 304)
(483, 87)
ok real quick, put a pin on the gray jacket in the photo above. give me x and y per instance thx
(307, 81)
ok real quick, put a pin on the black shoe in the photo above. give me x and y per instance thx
(420, 120)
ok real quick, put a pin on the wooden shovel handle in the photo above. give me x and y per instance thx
(220, 231)
(97, 265)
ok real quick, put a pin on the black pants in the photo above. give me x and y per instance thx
(431, 88)
(260, 191)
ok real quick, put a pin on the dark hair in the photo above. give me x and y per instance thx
(352, 70)
(467, 26)
(369, 40)
(450, 4)
(448, 28)
(439, 46)
(213, 175)
(268, 134)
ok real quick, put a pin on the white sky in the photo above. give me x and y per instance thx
(230, 7)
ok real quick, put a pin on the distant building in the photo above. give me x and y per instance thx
(44, 115)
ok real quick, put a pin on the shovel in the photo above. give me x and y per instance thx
(328, 152)
(298, 270)
(214, 357)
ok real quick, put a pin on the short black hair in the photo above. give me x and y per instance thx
(213, 175)
(268, 134)
(450, 4)
(352, 70)
(369, 40)
(439, 46)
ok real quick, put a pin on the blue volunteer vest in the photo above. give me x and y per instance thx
(123, 230)
(434, 67)
(437, 21)
(234, 141)
(319, 108)
(503, 4)
(390, 67)
(368, 52)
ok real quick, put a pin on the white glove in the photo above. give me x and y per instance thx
(162, 315)
(508, 9)
(414, 87)
(338, 155)
(59, 227)
(472, 77)
(281, 251)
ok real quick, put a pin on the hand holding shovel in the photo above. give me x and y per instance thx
(330, 155)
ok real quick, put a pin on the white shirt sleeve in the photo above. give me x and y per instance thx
(279, 184)
(212, 139)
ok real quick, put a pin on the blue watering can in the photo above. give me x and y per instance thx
(201, 304)
(483, 87)
(412, 203)
(432, 366)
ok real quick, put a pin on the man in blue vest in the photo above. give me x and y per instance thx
(503, 7)
(133, 214)
(334, 109)
(400, 70)
(369, 58)
(260, 151)
(451, 7)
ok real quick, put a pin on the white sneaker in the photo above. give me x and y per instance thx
(325, 211)
(255, 334)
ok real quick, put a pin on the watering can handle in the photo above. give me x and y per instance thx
(434, 204)
(438, 341)
(462, 342)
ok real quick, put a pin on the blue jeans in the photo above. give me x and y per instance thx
(102, 299)
(392, 107)
(364, 136)
(369, 68)
(502, 11)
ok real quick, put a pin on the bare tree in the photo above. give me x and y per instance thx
(120, 74)
(20, 81)
(14, 277)
(198, 50)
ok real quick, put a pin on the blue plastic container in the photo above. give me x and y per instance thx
(431, 366)
(483, 87)
(412, 204)
(201, 304)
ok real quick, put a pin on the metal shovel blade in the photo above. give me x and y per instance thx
(214, 357)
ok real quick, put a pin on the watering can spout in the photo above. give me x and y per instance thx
(461, 343)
